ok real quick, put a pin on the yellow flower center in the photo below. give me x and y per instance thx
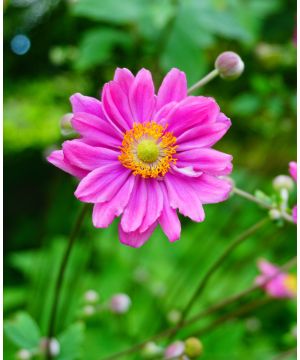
(291, 283)
(147, 149)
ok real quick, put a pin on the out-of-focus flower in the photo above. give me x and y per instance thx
(52, 344)
(275, 282)
(89, 310)
(230, 65)
(91, 296)
(120, 303)
(193, 347)
(137, 157)
(151, 349)
(293, 172)
(23, 354)
(174, 350)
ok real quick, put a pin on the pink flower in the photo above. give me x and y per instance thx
(174, 350)
(280, 284)
(144, 155)
(293, 172)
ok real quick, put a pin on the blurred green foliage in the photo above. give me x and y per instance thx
(75, 47)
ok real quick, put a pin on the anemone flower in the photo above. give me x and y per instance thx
(143, 156)
(275, 282)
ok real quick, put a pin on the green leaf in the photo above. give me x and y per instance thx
(70, 342)
(97, 46)
(23, 331)
(110, 10)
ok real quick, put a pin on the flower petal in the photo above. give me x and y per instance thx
(87, 104)
(190, 112)
(182, 196)
(202, 136)
(208, 160)
(154, 204)
(168, 220)
(173, 88)
(102, 184)
(96, 131)
(161, 116)
(293, 169)
(135, 238)
(141, 97)
(104, 213)
(124, 78)
(57, 159)
(116, 106)
(134, 212)
(211, 189)
(87, 157)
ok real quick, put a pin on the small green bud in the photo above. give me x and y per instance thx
(193, 347)
(283, 182)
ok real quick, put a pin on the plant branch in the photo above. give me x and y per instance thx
(210, 76)
(218, 306)
(263, 204)
(215, 266)
(59, 281)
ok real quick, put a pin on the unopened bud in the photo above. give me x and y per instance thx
(274, 214)
(283, 182)
(120, 303)
(150, 350)
(193, 347)
(66, 128)
(91, 296)
(88, 310)
(174, 316)
(229, 65)
(23, 354)
(52, 345)
(174, 350)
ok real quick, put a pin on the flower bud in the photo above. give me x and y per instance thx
(52, 344)
(283, 182)
(88, 310)
(193, 347)
(174, 350)
(229, 65)
(120, 303)
(91, 296)
(150, 350)
(23, 354)
(274, 214)
(174, 316)
(66, 128)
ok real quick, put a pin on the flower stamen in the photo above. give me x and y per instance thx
(147, 149)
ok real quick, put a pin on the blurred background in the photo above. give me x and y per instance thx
(54, 48)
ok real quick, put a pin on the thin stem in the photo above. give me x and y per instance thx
(263, 204)
(215, 266)
(59, 281)
(285, 354)
(210, 76)
(218, 306)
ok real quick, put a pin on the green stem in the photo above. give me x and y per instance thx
(263, 204)
(210, 76)
(62, 269)
(215, 266)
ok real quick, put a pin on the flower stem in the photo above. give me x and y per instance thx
(215, 266)
(218, 306)
(59, 281)
(210, 76)
(263, 204)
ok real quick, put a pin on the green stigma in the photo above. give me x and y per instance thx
(148, 151)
